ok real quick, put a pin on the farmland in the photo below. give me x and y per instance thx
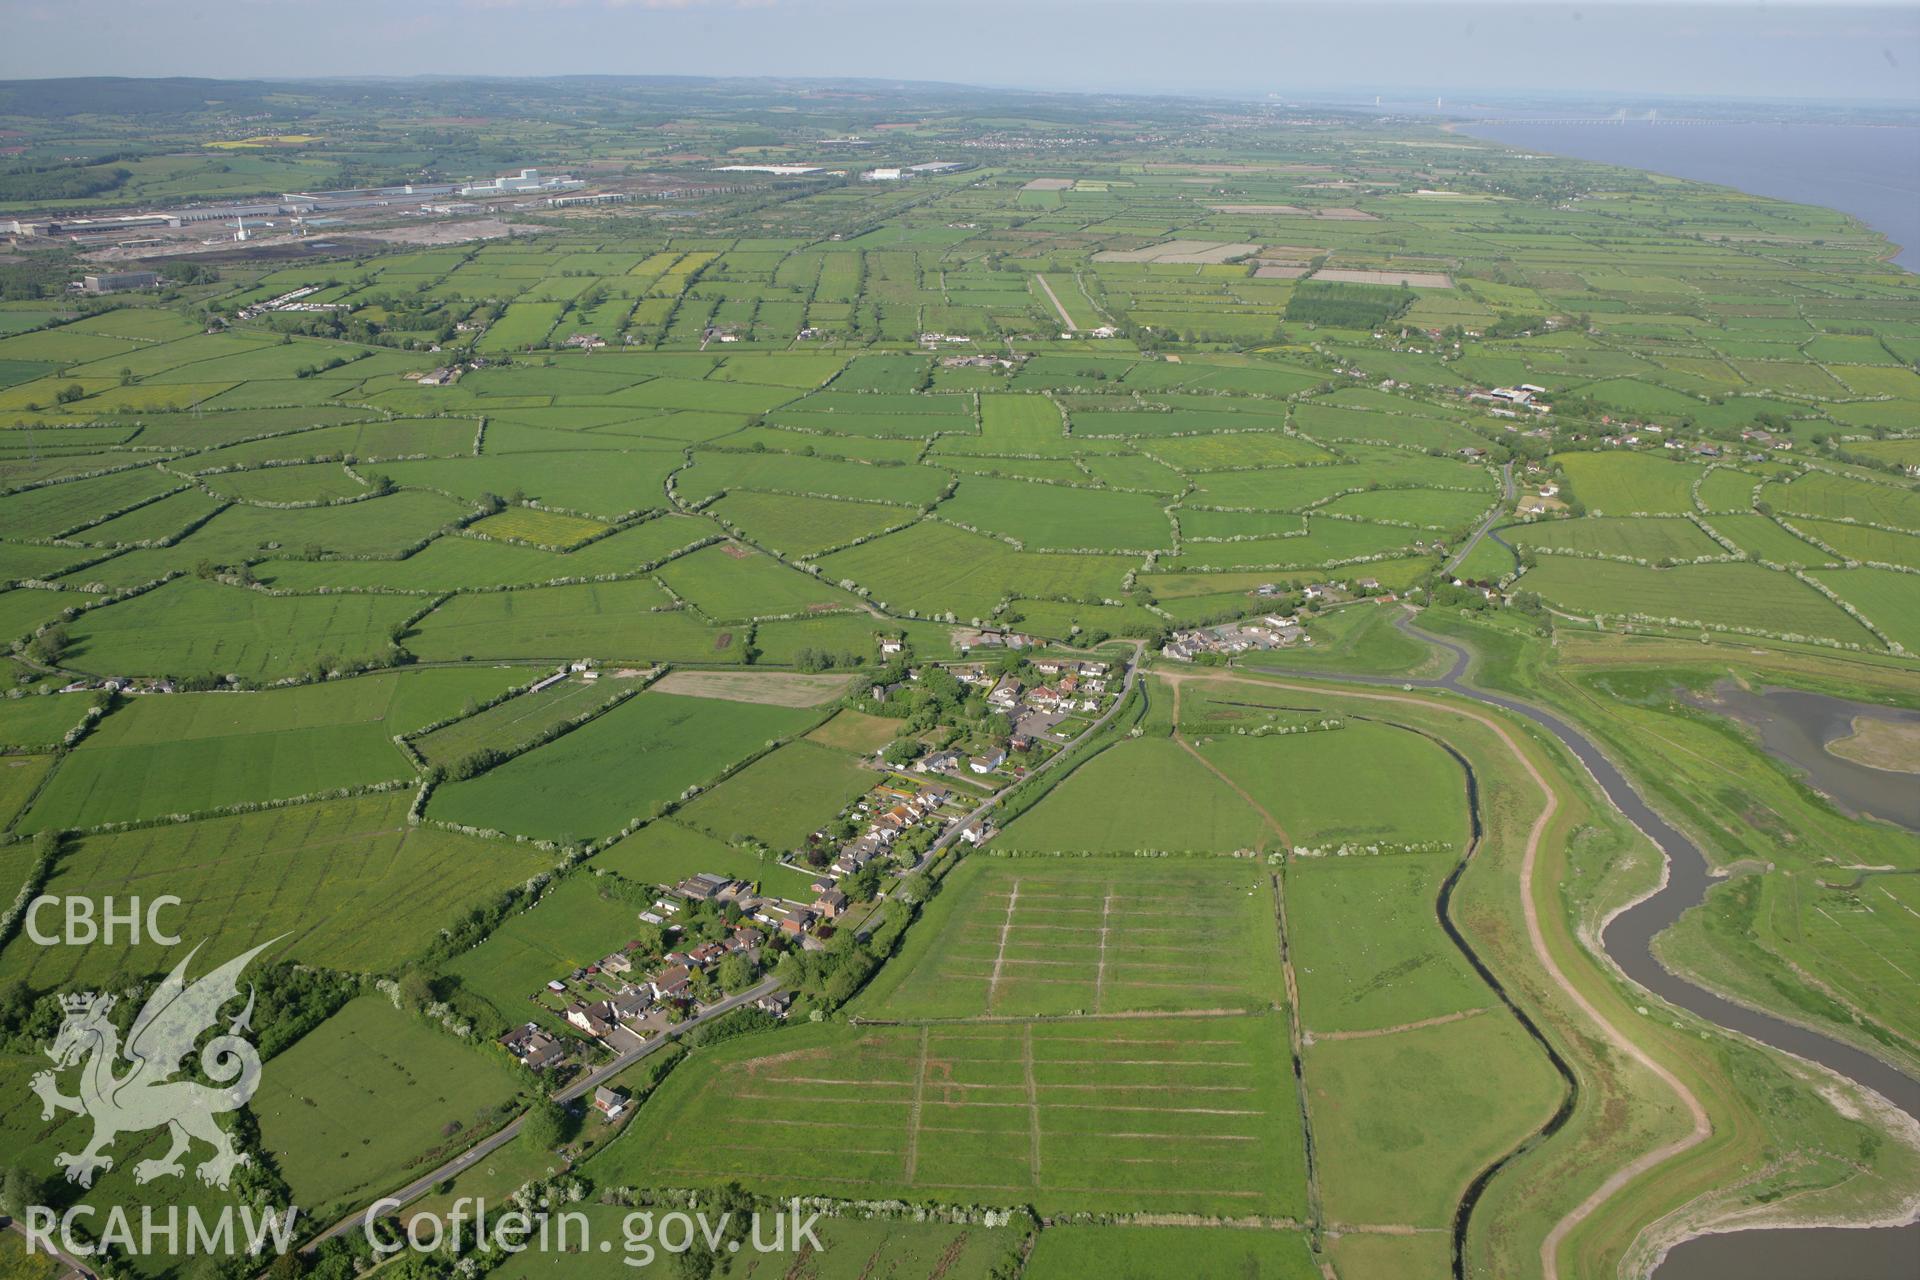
(372, 1070)
(685, 742)
(1032, 1111)
(1045, 936)
(803, 499)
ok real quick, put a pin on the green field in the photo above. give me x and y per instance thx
(324, 876)
(192, 752)
(351, 1106)
(1029, 1113)
(781, 797)
(643, 754)
(1046, 936)
(1144, 796)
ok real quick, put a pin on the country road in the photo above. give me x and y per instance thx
(506, 1133)
(74, 1269)
(1493, 518)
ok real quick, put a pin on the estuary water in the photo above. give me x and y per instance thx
(1869, 171)
(1795, 726)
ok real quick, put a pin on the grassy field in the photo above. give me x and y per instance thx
(797, 526)
(1403, 1121)
(1145, 1253)
(1695, 596)
(850, 1249)
(189, 627)
(572, 926)
(191, 752)
(518, 720)
(1621, 484)
(350, 1108)
(1059, 517)
(1650, 538)
(1367, 945)
(683, 742)
(326, 876)
(1045, 936)
(1326, 789)
(1041, 1113)
(1146, 795)
(632, 621)
(781, 797)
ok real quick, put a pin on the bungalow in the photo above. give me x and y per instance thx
(631, 1003)
(1005, 694)
(1044, 697)
(937, 762)
(708, 953)
(823, 885)
(610, 1102)
(988, 762)
(776, 1004)
(618, 962)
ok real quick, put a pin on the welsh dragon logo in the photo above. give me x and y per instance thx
(130, 1088)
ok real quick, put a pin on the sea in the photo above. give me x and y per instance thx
(1869, 171)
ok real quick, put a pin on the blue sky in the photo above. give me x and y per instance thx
(1236, 47)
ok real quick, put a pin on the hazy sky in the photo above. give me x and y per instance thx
(1240, 47)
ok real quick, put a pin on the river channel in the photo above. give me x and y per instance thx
(1878, 1253)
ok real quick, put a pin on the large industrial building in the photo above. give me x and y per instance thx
(526, 182)
(120, 281)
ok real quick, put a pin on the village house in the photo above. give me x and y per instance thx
(1005, 695)
(590, 1018)
(937, 762)
(610, 1102)
(830, 904)
(989, 762)
(671, 983)
(535, 1048)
